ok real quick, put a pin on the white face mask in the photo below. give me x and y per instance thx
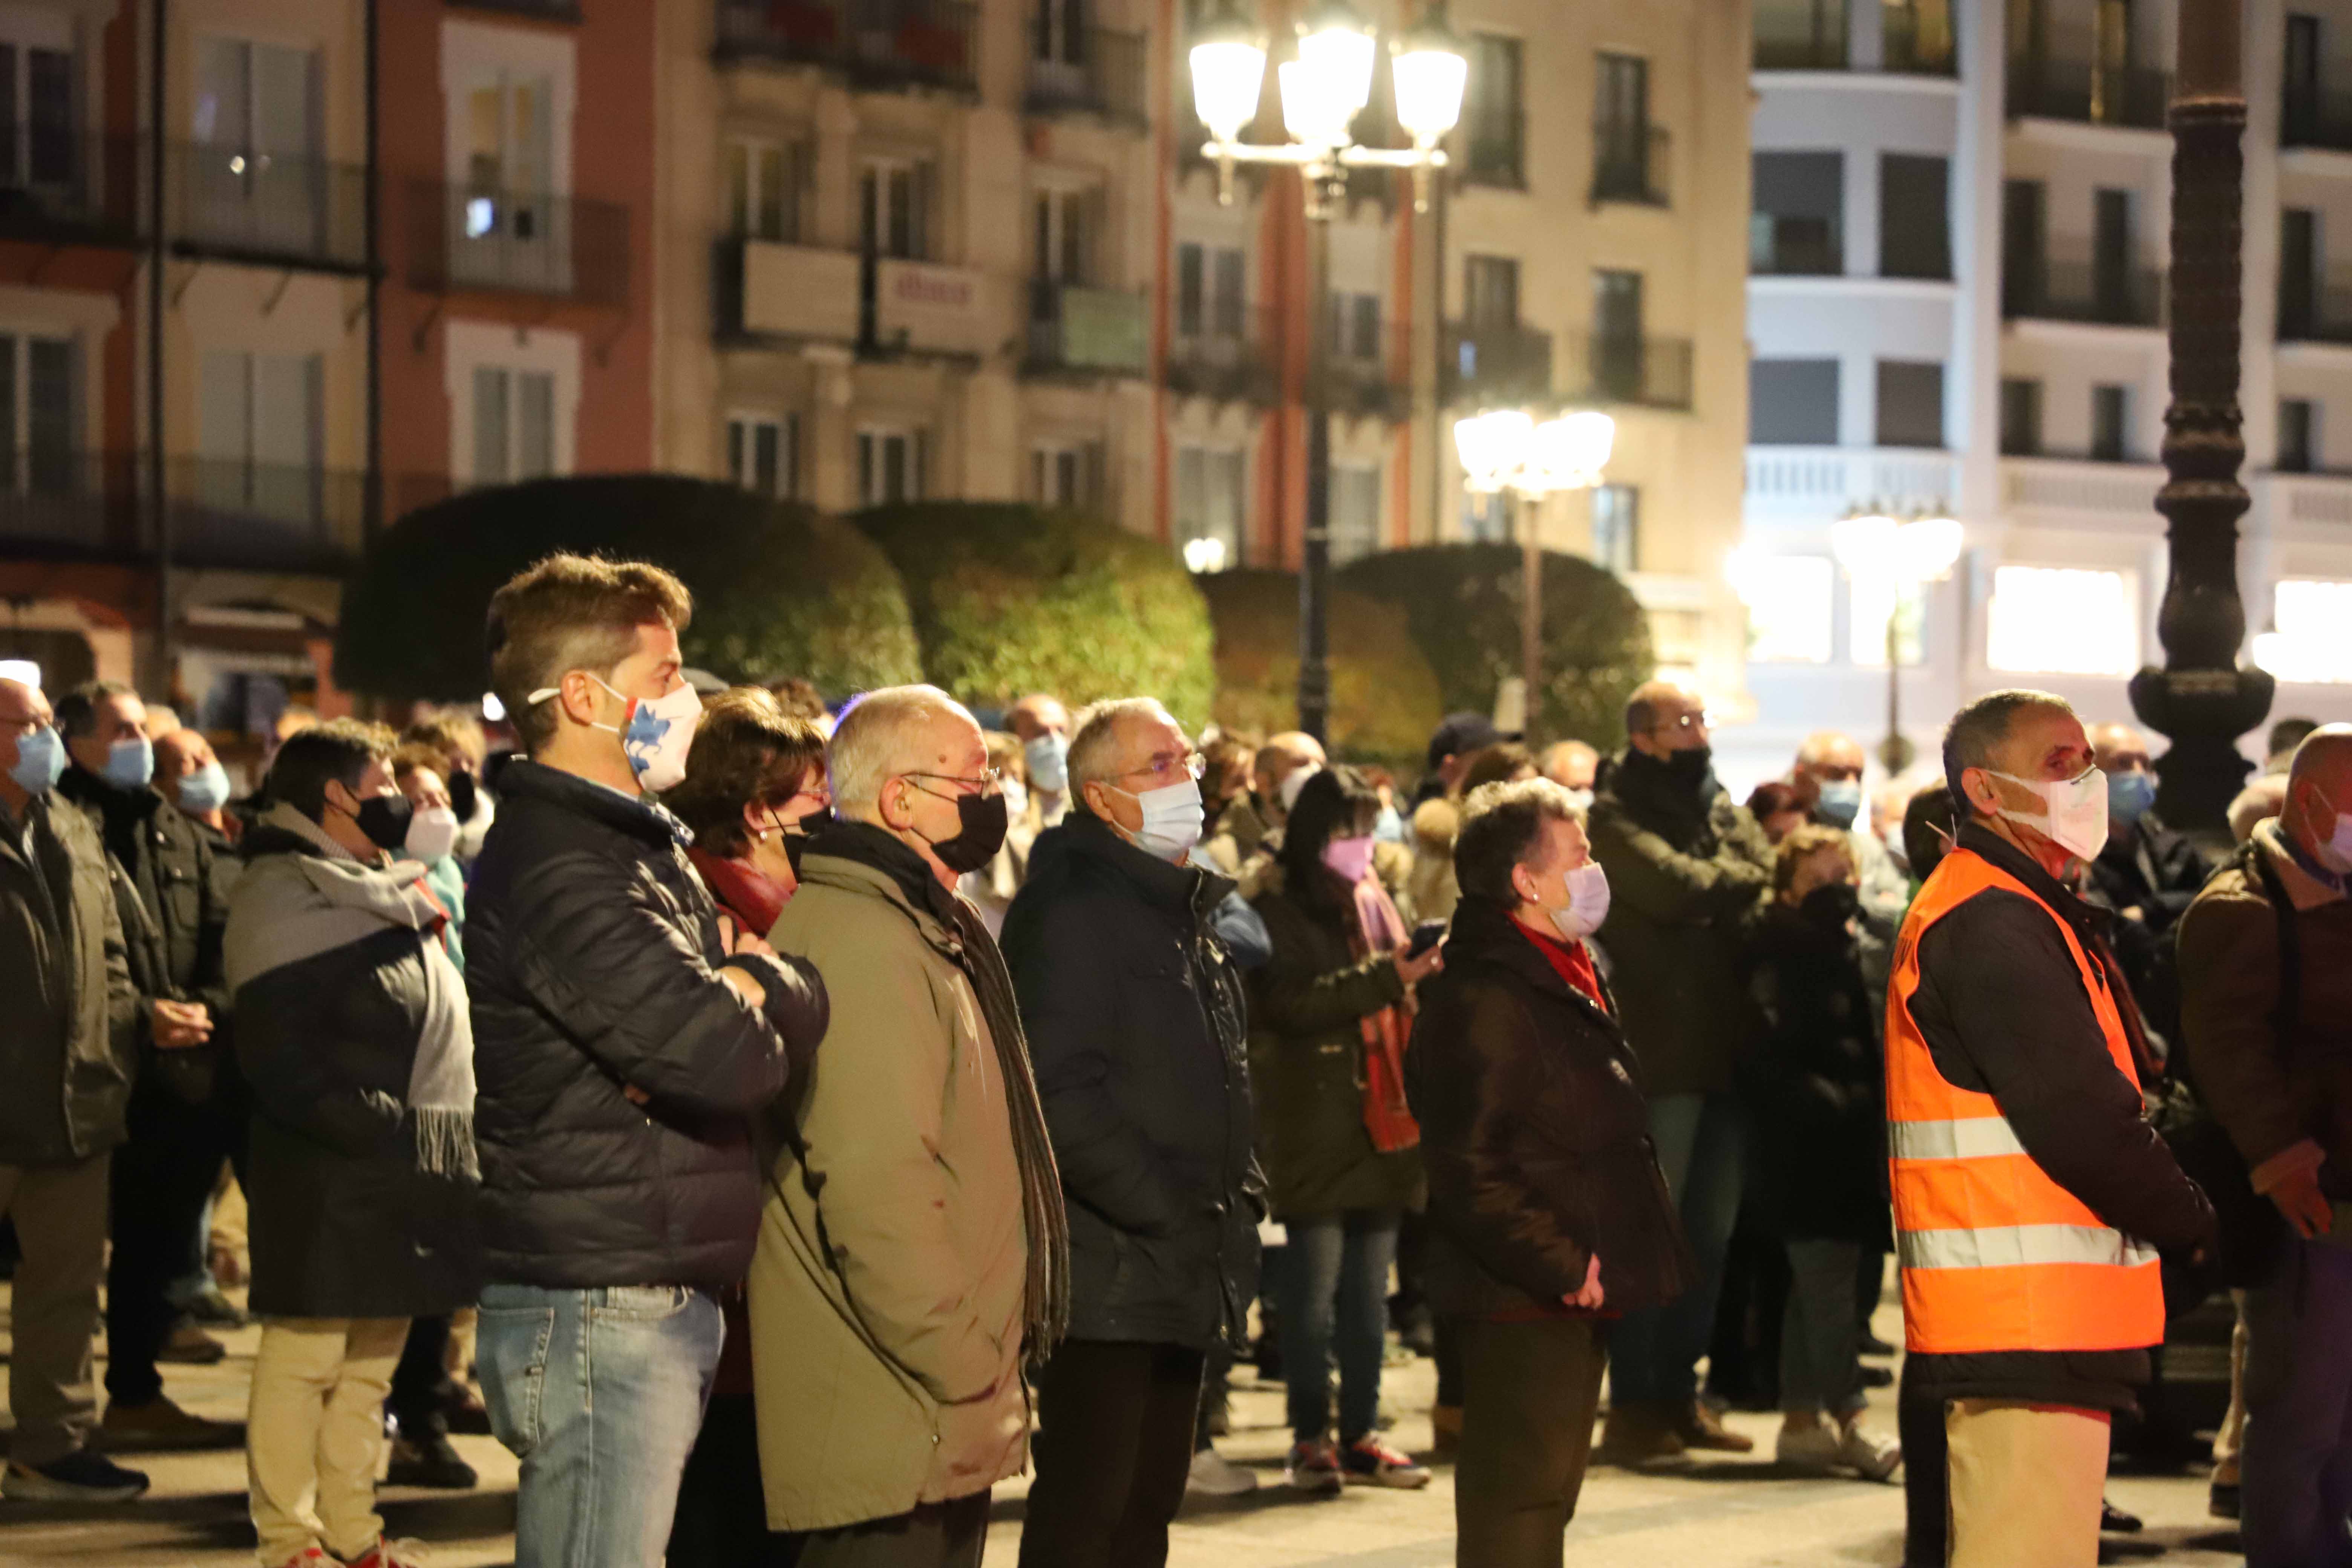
(2077, 819)
(1587, 903)
(1173, 815)
(2336, 853)
(432, 834)
(655, 735)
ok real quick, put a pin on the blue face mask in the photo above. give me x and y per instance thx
(2129, 795)
(1048, 757)
(40, 761)
(207, 789)
(1389, 828)
(1841, 802)
(131, 763)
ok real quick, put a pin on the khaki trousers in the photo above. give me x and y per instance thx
(60, 1217)
(2025, 1483)
(313, 1431)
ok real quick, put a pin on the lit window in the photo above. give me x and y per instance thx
(1788, 599)
(2309, 646)
(2062, 621)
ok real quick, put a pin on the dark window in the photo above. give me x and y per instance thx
(1495, 119)
(2299, 109)
(1617, 333)
(2298, 445)
(1796, 223)
(1915, 229)
(1792, 402)
(1229, 294)
(1800, 35)
(2298, 305)
(1621, 130)
(1910, 404)
(2021, 418)
(1191, 289)
(2111, 254)
(1617, 526)
(1491, 292)
(2025, 249)
(2111, 423)
(1916, 36)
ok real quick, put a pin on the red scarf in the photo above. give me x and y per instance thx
(1379, 929)
(749, 895)
(1571, 960)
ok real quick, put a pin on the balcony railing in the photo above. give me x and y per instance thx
(1906, 50)
(876, 43)
(269, 206)
(2083, 291)
(1086, 70)
(1085, 332)
(538, 10)
(1225, 357)
(516, 242)
(2320, 119)
(1366, 371)
(1629, 162)
(2093, 94)
(1495, 146)
(223, 512)
(1626, 368)
(1495, 364)
(1794, 247)
(58, 185)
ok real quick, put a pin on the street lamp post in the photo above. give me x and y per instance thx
(1505, 452)
(2200, 698)
(1895, 555)
(1322, 90)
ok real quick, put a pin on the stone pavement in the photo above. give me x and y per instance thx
(1736, 1513)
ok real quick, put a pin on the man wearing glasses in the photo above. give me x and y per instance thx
(1686, 868)
(1135, 1014)
(911, 1252)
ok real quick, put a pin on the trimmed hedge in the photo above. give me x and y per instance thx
(1462, 604)
(1009, 599)
(1384, 696)
(778, 590)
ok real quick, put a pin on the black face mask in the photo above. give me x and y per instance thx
(385, 819)
(461, 793)
(1690, 768)
(1831, 905)
(796, 837)
(981, 822)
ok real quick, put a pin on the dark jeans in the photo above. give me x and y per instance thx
(1820, 1340)
(1335, 1281)
(2296, 1464)
(1926, 1489)
(1701, 1141)
(935, 1535)
(163, 1177)
(723, 1515)
(420, 1389)
(1114, 1447)
(1529, 1393)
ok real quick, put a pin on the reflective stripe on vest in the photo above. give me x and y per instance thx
(1995, 1255)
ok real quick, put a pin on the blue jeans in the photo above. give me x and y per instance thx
(1701, 1141)
(600, 1394)
(2295, 1466)
(1333, 1295)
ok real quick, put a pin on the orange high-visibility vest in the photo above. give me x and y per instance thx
(1995, 1255)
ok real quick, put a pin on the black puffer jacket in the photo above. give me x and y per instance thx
(1535, 1135)
(1134, 1015)
(591, 953)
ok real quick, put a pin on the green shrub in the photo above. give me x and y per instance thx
(778, 590)
(1462, 604)
(1384, 697)
(1009, 599)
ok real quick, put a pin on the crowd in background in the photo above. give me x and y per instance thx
(781, 1110)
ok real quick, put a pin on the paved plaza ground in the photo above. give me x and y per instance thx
(1737, 1512)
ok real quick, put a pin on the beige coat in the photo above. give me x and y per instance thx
(885, 1292)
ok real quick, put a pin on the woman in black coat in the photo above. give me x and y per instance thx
(1547, 1212)
(1815, 1087)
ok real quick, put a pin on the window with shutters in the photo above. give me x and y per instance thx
(894, 204)
(256, 176)
(1910, 403)
(2298, 435)
(1915, 226)
(1494, 119)
(1792, 402)
(1796, 222)
(1617, 526)
(1067, 474)
(1210, 503)
(1355, 510)
(769, 186)
(891, 464)
(38, 418)
(2020, 417)
(514, 425)
(39, 134)
(260, 433)
(1066, 228)
(763, 453)
(1210, 289)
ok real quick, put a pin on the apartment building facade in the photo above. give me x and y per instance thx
(239, 325)
(1958, 257)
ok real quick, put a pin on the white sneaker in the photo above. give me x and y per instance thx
(1871, 1455)
(1812, 1449)
(1214, 1475)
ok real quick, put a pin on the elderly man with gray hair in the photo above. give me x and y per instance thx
(912, 1251)
(1135, 1013)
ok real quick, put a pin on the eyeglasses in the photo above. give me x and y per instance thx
(1683, 725)
(1168, 765)
(989, 782)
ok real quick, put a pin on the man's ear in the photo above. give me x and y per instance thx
(577, 692)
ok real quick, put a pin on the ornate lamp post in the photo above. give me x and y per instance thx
(2200, 698)
(1892, 555)
(1505, 453)
(1322, 89)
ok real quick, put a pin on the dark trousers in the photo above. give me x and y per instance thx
(722, 1516)
(1926, 1489)
(1114, 1447)
(163, 1177)
(420, 1383)
(935, 1535)
(1530, 1392)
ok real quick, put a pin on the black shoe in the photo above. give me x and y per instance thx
(1878, 1377)
(2223, 1501)
(211, 1310)
(1872, 1345)
(429, 1461)
(81, 1477)
(2114, 1521)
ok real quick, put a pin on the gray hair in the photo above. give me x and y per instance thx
(1979, 727)
(1094, 748)
(1502, 826)
(877, 741)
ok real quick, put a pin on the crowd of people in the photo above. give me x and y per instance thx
(803, 1121)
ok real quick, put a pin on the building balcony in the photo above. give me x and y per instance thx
(769, 289)
(468, 239)
(2083, 292)
(60, 186)
(1812, 483)
(2133, 96)
(1366, 372)
(269, 208)
(1629, 164)
(1625, 368)
(1086, 70)
(1225, 357)
(1078, 330)
(880, 44)
(1495, 366)
(925, 308)
(227, 513)
(1812, 35)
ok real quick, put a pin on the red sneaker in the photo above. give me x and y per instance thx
(309, 1557)
(1368, 1462)
(390, 1554)
(1312, 1467)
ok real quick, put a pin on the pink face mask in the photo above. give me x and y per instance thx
(1350, 858)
